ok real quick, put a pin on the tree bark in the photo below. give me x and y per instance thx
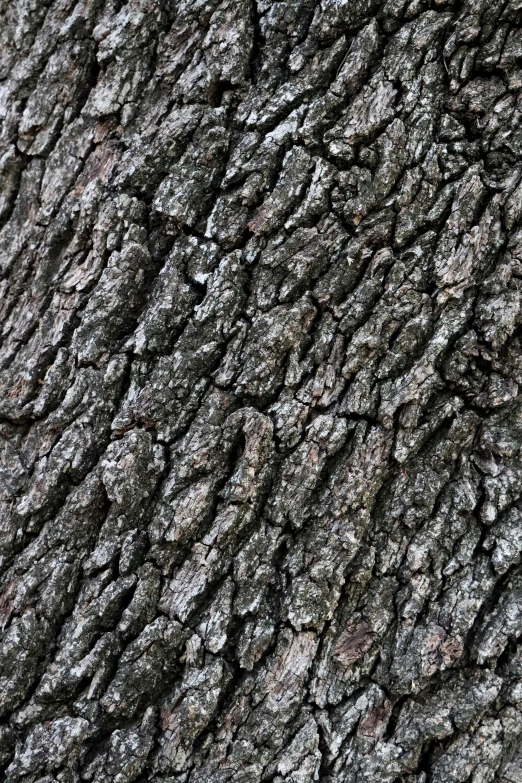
(261, 431)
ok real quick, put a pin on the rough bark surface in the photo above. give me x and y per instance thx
(260, 357)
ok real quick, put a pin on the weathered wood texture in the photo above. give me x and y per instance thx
(261, 431)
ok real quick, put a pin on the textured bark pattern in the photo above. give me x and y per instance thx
(261, 431)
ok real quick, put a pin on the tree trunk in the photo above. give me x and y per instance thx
(261, 436)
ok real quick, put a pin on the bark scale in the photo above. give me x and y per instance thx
(261, 432)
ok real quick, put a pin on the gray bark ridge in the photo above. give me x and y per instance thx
(260, 421)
